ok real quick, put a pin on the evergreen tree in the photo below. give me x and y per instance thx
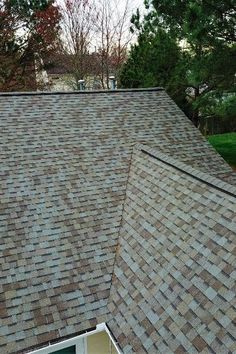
(205, 69)
(155, 60)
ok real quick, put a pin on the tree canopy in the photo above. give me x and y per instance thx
(155, 60)
(28, 32)
(205, 21)
(204, 69)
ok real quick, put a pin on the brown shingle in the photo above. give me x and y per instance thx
(199, 343)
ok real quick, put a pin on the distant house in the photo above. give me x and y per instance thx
(63, 72)
(57, 76)
(117, 227)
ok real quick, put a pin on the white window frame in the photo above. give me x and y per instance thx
(80, 342)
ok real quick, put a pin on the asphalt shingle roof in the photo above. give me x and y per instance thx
(64, 166)
(173, 288)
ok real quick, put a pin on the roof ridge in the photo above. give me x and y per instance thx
(117, 249)
(181, 166)
(50, 93)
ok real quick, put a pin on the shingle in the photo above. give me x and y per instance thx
(64, 167)
(195, 296)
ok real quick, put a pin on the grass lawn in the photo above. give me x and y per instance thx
(225, 144)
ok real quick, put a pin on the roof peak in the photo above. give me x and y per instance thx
(85, 92)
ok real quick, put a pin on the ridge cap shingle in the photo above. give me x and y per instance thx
(187, 169)
(85, 92)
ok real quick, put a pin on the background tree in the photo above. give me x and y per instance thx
(112, 37)
(94, 39)
(155, 60)
(78, 19)
(28, 32)
(205, 31)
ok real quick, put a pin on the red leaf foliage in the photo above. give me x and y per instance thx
(47, 23)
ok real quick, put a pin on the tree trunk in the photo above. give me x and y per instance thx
(195, 114)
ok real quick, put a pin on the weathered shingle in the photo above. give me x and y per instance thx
(64, 167)
(173, 288)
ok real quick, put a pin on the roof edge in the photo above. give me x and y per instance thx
(196, 174)
(40, 347)
(47, 93)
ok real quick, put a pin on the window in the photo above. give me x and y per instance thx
(69, 350)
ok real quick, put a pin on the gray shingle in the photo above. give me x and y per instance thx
(64, 167)
(193, 289)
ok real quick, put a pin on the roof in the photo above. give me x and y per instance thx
(173, 287)
(65, 159)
